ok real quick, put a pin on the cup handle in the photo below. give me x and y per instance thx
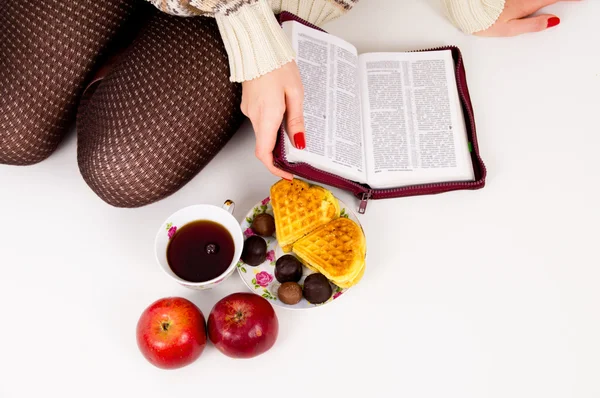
(229, 205)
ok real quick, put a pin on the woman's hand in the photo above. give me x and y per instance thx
(516, 20)
(265, 101)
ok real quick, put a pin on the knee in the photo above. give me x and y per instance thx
(21, 146)
(120, 179)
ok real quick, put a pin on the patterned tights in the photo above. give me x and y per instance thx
(161, 113)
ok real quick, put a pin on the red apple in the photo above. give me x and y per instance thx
(171, 333)
(243, 325)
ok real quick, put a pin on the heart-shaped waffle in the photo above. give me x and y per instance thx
(336, 250)
(299, 208)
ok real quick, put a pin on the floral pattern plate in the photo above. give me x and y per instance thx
(261, 279)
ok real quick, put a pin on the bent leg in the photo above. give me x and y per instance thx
(48, 49)
(160, 115)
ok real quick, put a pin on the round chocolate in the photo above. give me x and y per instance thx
(288, 269)
(255, 251)
(290, 293)
(317, 289)
(263, 225)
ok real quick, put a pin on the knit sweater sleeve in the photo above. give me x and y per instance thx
(472, 16)
(254, 41)
(256, 44)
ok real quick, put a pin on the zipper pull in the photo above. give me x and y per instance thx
(363, 202)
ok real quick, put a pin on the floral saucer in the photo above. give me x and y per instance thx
(261, 279)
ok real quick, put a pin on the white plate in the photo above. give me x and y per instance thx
(261, 279)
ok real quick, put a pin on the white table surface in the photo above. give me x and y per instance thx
(491, 293)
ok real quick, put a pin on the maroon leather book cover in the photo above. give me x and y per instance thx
(364, 192)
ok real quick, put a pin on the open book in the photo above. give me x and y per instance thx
(382, 119)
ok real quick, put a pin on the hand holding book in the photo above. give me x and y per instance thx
(266, 101)
(381, 125)
(382, 119)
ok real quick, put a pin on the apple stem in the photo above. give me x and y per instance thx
(238, 316)
(165, 326)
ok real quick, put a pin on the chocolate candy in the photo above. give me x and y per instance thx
(263, 225)
(288, 269)
(289, 293)
(255, 251)
(317, 289)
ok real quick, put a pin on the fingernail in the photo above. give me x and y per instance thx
(299, 141)
(553, 22)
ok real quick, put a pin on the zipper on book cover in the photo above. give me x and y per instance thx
(383, 192)
(464, 99)
(392, 191)
(362, 190)
(376, 193)
(362, 208)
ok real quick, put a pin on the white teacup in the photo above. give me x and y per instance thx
(221, 215)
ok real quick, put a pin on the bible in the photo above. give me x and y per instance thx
(381, 124)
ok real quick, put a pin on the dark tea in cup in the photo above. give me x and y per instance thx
(200, 245)
(200, 251)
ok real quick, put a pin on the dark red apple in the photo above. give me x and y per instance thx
(171, 333)
(243, 325)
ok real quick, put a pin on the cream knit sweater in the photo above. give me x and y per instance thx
(256, 44)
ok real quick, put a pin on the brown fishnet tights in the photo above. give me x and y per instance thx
(156, 119)
(48, 49)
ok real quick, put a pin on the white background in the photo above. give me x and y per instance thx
(491, 293)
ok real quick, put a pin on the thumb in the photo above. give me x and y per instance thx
(294, 119)
(538, 23)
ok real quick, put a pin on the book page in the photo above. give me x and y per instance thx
(329, 71)
(414, 127)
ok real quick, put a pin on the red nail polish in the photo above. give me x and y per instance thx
(553, 22)
(299, 141)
